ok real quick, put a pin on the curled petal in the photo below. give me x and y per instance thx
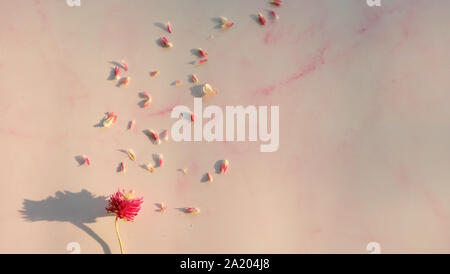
(150, 167)
(122, 167)
(153, 136)
(191, 210)
(162, 207)
(276, 2)
(109, 120)
(160, 160)
(227, 25)
(202, 52)
(194, 79)
(202, 61)
(168, 27)
(166, 42)
(208, 90)
(125, 81)
(131, 124)
(117, 73)
(192, 117)
(224, 20)
(178, 83)
(131, 154)
(209, 177)
(86, 160)
(274, 14)
(165, 135)
(223, 167)
(261, 19)
(154, 73)
(124, 65)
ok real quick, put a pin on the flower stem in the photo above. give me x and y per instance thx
(118, 235)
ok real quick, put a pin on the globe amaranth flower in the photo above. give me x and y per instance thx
(124, 205)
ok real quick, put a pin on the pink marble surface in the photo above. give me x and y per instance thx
(364, 150)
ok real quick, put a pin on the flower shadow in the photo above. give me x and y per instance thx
(78, 208)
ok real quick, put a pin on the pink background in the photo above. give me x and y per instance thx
(364, 150)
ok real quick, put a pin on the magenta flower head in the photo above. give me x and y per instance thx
(124, 205)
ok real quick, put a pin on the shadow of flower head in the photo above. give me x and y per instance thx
(78, 208)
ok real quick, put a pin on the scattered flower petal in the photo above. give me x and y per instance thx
(153, 135)
(165, 135)
(165, 42)
(209, 177)
(117, 73)
(122, 167)
(168, 27)
(86, 160)
(131, 124)
(274, 14)
(178, 83)
(162, 207)
(261, 19)
(191, 210)
(160, 160)
(124, 65)
(192, 117)
(184, 170)
(194, 79)
(131, 154)
(226, 24)
(276, 2)
(125, 81)
(154, 73)
(223, 167)
(150, 167)
(202, 61)
(202, 52)
(208, 90)
(109, 120)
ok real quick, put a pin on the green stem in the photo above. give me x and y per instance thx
(118, 235)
